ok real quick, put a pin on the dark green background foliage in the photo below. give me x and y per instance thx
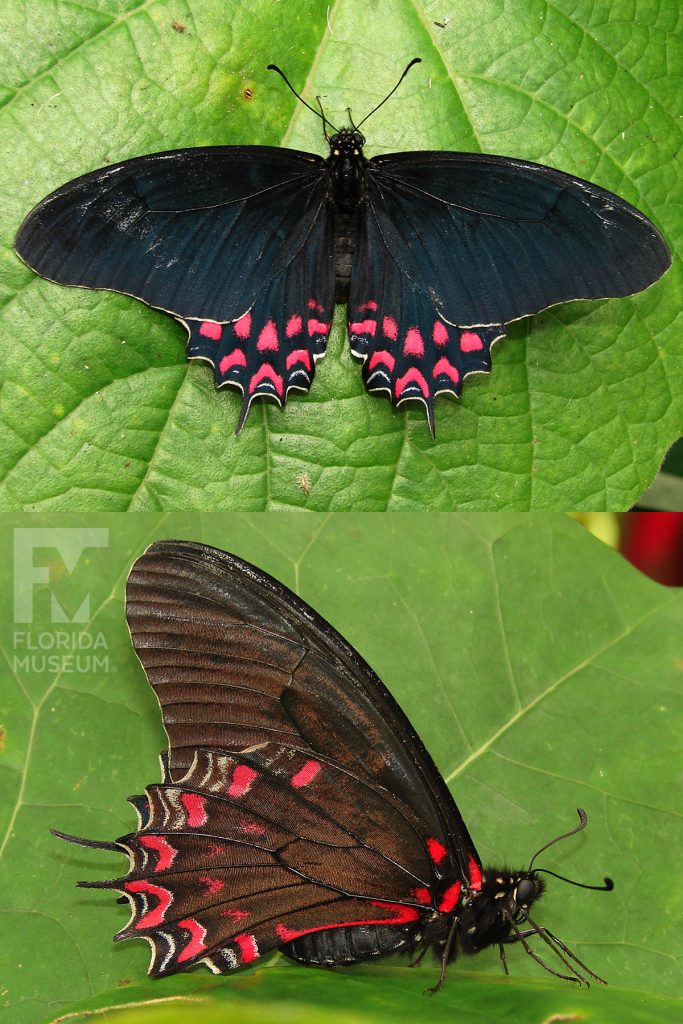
(542, 672)
(100, 408)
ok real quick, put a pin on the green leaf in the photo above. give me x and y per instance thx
(542, 672)
(99, 408)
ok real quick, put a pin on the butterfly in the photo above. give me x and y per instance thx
(298, 809)
(250, 247)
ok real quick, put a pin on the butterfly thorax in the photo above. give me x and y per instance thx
(347, 168)
(486, 916)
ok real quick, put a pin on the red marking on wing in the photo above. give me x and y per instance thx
(363, 327)
(470, 342)
(155, 916)
(412, 374)
(443, 366)
(195, 805)
(294, 326)
(236, 358)
(167, 853)
(382, 357)
(306, 774)
(437, 851)
(422, 895)
(390, 328)
(317, 327)
(197, 936)
(402, 916)
(213, 885)
(242, 780)
(475, 873)
(267, 339)
(312, 304)
(216, 850)
(248, 947)
(252, 828)
(236, 915)
(370, 304)
(450, 898)
(209, 330)
(413, 345)
(299, 355)
(266, 371)
(243, 326)
(439, 333)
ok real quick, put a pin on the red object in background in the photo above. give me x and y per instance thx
(653, 542)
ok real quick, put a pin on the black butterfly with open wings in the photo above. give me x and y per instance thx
(249, 247)
(298, 809)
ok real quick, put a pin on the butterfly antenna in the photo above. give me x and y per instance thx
(415, 60)
(583, 821)
(274, 67)
(607, 885)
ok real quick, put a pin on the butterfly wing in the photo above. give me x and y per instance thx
(284, 745)
(235, 242)
(456, 245)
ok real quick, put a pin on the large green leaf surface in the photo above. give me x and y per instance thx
(99, 408)
(542, 672)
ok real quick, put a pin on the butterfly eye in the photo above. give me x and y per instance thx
(525, 892)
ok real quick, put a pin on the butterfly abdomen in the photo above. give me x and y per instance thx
(341, 947)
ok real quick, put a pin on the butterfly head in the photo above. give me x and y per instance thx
(490, 915)
(347, 142)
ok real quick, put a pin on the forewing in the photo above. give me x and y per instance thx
(456, 245)
(237, 660)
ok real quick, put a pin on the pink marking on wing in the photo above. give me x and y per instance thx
(382, 357)
(195, 805)
(243, 326)
(248, 947)
(363, 327)
(155, 916)
(390, 328)
(450, 898)
(299, 355)
(167, 853)
(474, 872)
(422, 895)
(370, 305)
(267, 339)
(317, 327)
(402, 915)
(215, 850)
(236, 358)
(413, 345)
(412, 374)
(213, 885)
(294, 326)
(443, 366)
(312, 304)
(470, 342)
(252, 828)
(266, 371)
(209, 330)
(437, 851)
(236, 915)
(439, 333)
(306, 774)
(242, 780)
(197, 936)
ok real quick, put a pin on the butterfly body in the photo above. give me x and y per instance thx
(249, 248)
(298, 809)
